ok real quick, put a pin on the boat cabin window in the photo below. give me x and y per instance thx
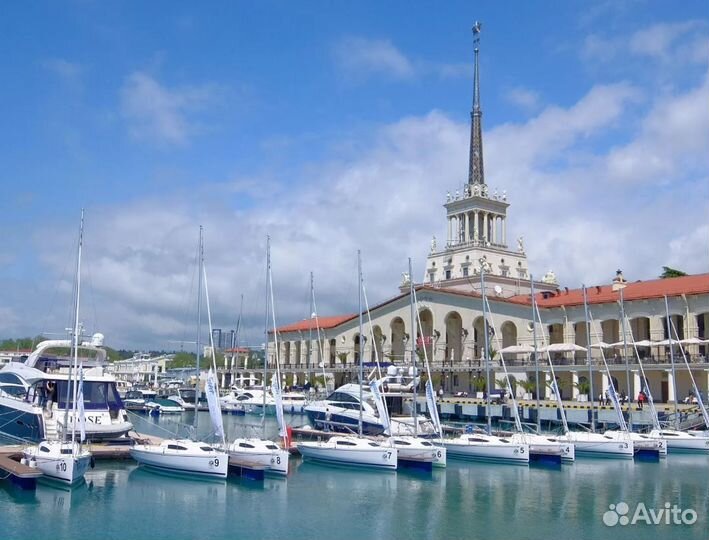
(345, 443)
(342, 397)
(669, 434)
(271, 447)
(206, 448)
(43, 448)
(374, 444)
(246, 445)
(402, 443)
(65, 451)
(505, 441)
(175, 447)
(477, 439)
(97, 395)
(426, 443)
(608, 437)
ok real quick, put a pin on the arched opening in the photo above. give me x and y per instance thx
(509, 334)
(398, 342)
(425, 335)
(610, 331)
(333, 352)
(581, 338)
(556, 335)
(478, 338)
(639, 329)
(703, 327)
(287, 353)
(298, 352)
(377, 349)
(356, 347)
(454, 337)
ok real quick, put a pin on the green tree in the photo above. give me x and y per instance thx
(668, 272)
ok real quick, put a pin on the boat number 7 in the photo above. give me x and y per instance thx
(387, 455)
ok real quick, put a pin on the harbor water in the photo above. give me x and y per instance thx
(467, 500)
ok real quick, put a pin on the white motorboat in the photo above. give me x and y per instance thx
(350, 451)
(183, 456)
(34, 394)
(599, 445)
(260, 452)
(65, 462)
(163, 406)
(293, 403)
(185, 397)
(340, 411)
(682, 441)
(642, 443)
(483, 447)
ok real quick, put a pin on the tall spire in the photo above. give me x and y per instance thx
(476, 173)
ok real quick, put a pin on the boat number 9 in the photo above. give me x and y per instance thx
(387, 455)
(61, 466)
(215, 462)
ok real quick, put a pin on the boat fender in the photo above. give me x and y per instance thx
(33, 463)
(92, 463)
(24, 461)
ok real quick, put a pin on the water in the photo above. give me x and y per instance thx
(466, 500)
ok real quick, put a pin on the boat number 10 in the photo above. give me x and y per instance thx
(61, 466)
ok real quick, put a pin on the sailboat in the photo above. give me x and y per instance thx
(590, 443)
(263, 452)
(486, 446)
(66, 460)
(188, 456)
(413, 451)
(675, 439)
(355, 451)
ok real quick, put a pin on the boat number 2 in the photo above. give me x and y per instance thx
(61, 466)
(387, 455)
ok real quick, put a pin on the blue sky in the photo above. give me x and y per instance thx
(333, 126)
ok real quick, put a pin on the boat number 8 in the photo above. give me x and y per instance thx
(278, 460)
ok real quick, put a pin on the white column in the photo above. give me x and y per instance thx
(637, 385)
(574, 382)
(475, 226)
(449, 230)
(485, 231)
(504, 231)
(670, 388)
(546, 382)
(467, 226)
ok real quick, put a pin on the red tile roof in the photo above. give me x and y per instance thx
(639, 290)
(600, 294)
(313, 324)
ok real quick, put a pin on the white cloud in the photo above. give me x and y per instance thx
(659, 39)
(361, 57)
(524, 98)
(68, 71)
(155, 112)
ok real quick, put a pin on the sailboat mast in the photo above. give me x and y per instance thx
(413, 344)
(235, 345)
(266, 338)
(310, 330)
(486, 352)
(672, 360)
(361, 338)
(72, 369)
(590, 358)
(536, 355)
(200, 264)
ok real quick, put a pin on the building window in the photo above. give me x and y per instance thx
(448, 274)
(465, 272)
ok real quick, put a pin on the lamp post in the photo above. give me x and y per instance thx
(619, 283)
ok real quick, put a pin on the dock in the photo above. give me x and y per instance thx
(20, 475)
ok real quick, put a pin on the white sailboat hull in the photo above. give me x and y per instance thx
(275, 461)
(680, 441)
(415, 449)
(487, 448)
(597, 445)
(549, 444)
(214, 464)
(379, 457)
(65, 468)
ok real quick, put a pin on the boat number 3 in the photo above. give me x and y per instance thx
(386, 455)
(61, 466)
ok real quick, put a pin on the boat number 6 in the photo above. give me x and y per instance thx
(439, 455)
